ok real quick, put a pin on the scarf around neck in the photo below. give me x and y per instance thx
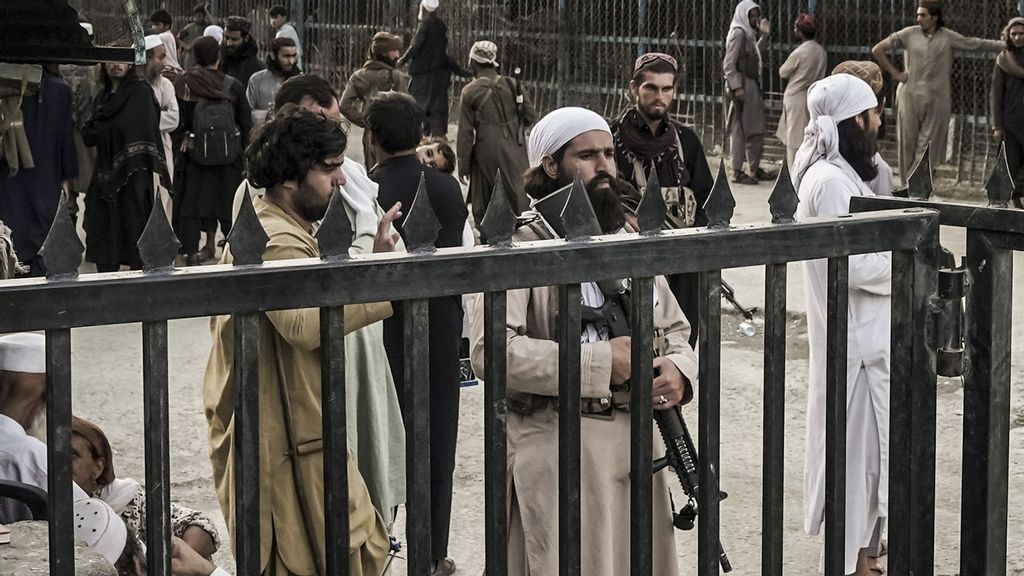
(741, 21)
(629, 137)
(201, 82)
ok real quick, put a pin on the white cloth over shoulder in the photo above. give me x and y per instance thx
(829, 102)
(560, 126)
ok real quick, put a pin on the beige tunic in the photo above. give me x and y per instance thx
(924, 104)
(605, 444)
(284, 548)
(807, 64)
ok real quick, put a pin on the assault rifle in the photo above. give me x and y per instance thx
(680, 452)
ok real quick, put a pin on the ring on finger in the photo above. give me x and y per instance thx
(662, 399)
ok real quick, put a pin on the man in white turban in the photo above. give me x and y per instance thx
(567, 142)
(843, 111)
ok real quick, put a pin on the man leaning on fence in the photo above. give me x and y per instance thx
(296, 157)
(647, 136)
(566, 143)
(923, 99)
(744, 101)
(834, 164)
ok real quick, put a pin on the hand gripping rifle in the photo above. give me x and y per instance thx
(680, 452)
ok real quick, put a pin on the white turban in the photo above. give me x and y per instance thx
(829, 102)
(559, 127)
(741, 20)
(23, 352)
(100, 528)
(430, 5)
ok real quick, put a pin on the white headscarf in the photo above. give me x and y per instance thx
(829, 102)
(215, 32)
(741, 20)
(172, 50)
(559, 127)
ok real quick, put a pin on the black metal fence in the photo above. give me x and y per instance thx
(62, 302)
(580, 52)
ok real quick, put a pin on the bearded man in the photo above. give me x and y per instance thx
(566, 143)
(924, 100)
(240, 58)
(282, 64)
(868, 71)
(296, 158)
(647, 136)
(834, 164)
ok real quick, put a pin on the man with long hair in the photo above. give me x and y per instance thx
(567, 143)
(868, 71)
(647, 136)
(923, 100)
(834, 164)
(1008, 103)
(296, 158)
(282, 64)
(125, 130)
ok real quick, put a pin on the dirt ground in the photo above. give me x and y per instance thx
(108, 390)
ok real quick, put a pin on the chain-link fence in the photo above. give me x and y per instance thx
(581, 52)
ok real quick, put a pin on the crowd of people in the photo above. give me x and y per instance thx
(205, 122)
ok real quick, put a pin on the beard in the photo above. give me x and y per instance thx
(652, 112)
(603, 192)
(309, 204)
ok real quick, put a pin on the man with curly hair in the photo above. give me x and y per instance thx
(296, 158)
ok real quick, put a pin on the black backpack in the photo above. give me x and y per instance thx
(216, 140)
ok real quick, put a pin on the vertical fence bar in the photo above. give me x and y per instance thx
(923, 406)
(641, 476)
(983, 515)
(335, 435)
(495, 433)
(773, 496)
(247, 429)
(158, 447)
(835, 416)
(709, 391)
(417, 433)
(60, 501)
(900, 405)
(569, 325)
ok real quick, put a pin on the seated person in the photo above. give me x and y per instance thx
(94, 472)
(23, 457)
(435, 152)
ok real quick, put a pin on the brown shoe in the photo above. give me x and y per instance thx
(741, 177)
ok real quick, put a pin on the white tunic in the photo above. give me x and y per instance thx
(825, 190)
(23, 457)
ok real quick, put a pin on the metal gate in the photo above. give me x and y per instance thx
(63, 302)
